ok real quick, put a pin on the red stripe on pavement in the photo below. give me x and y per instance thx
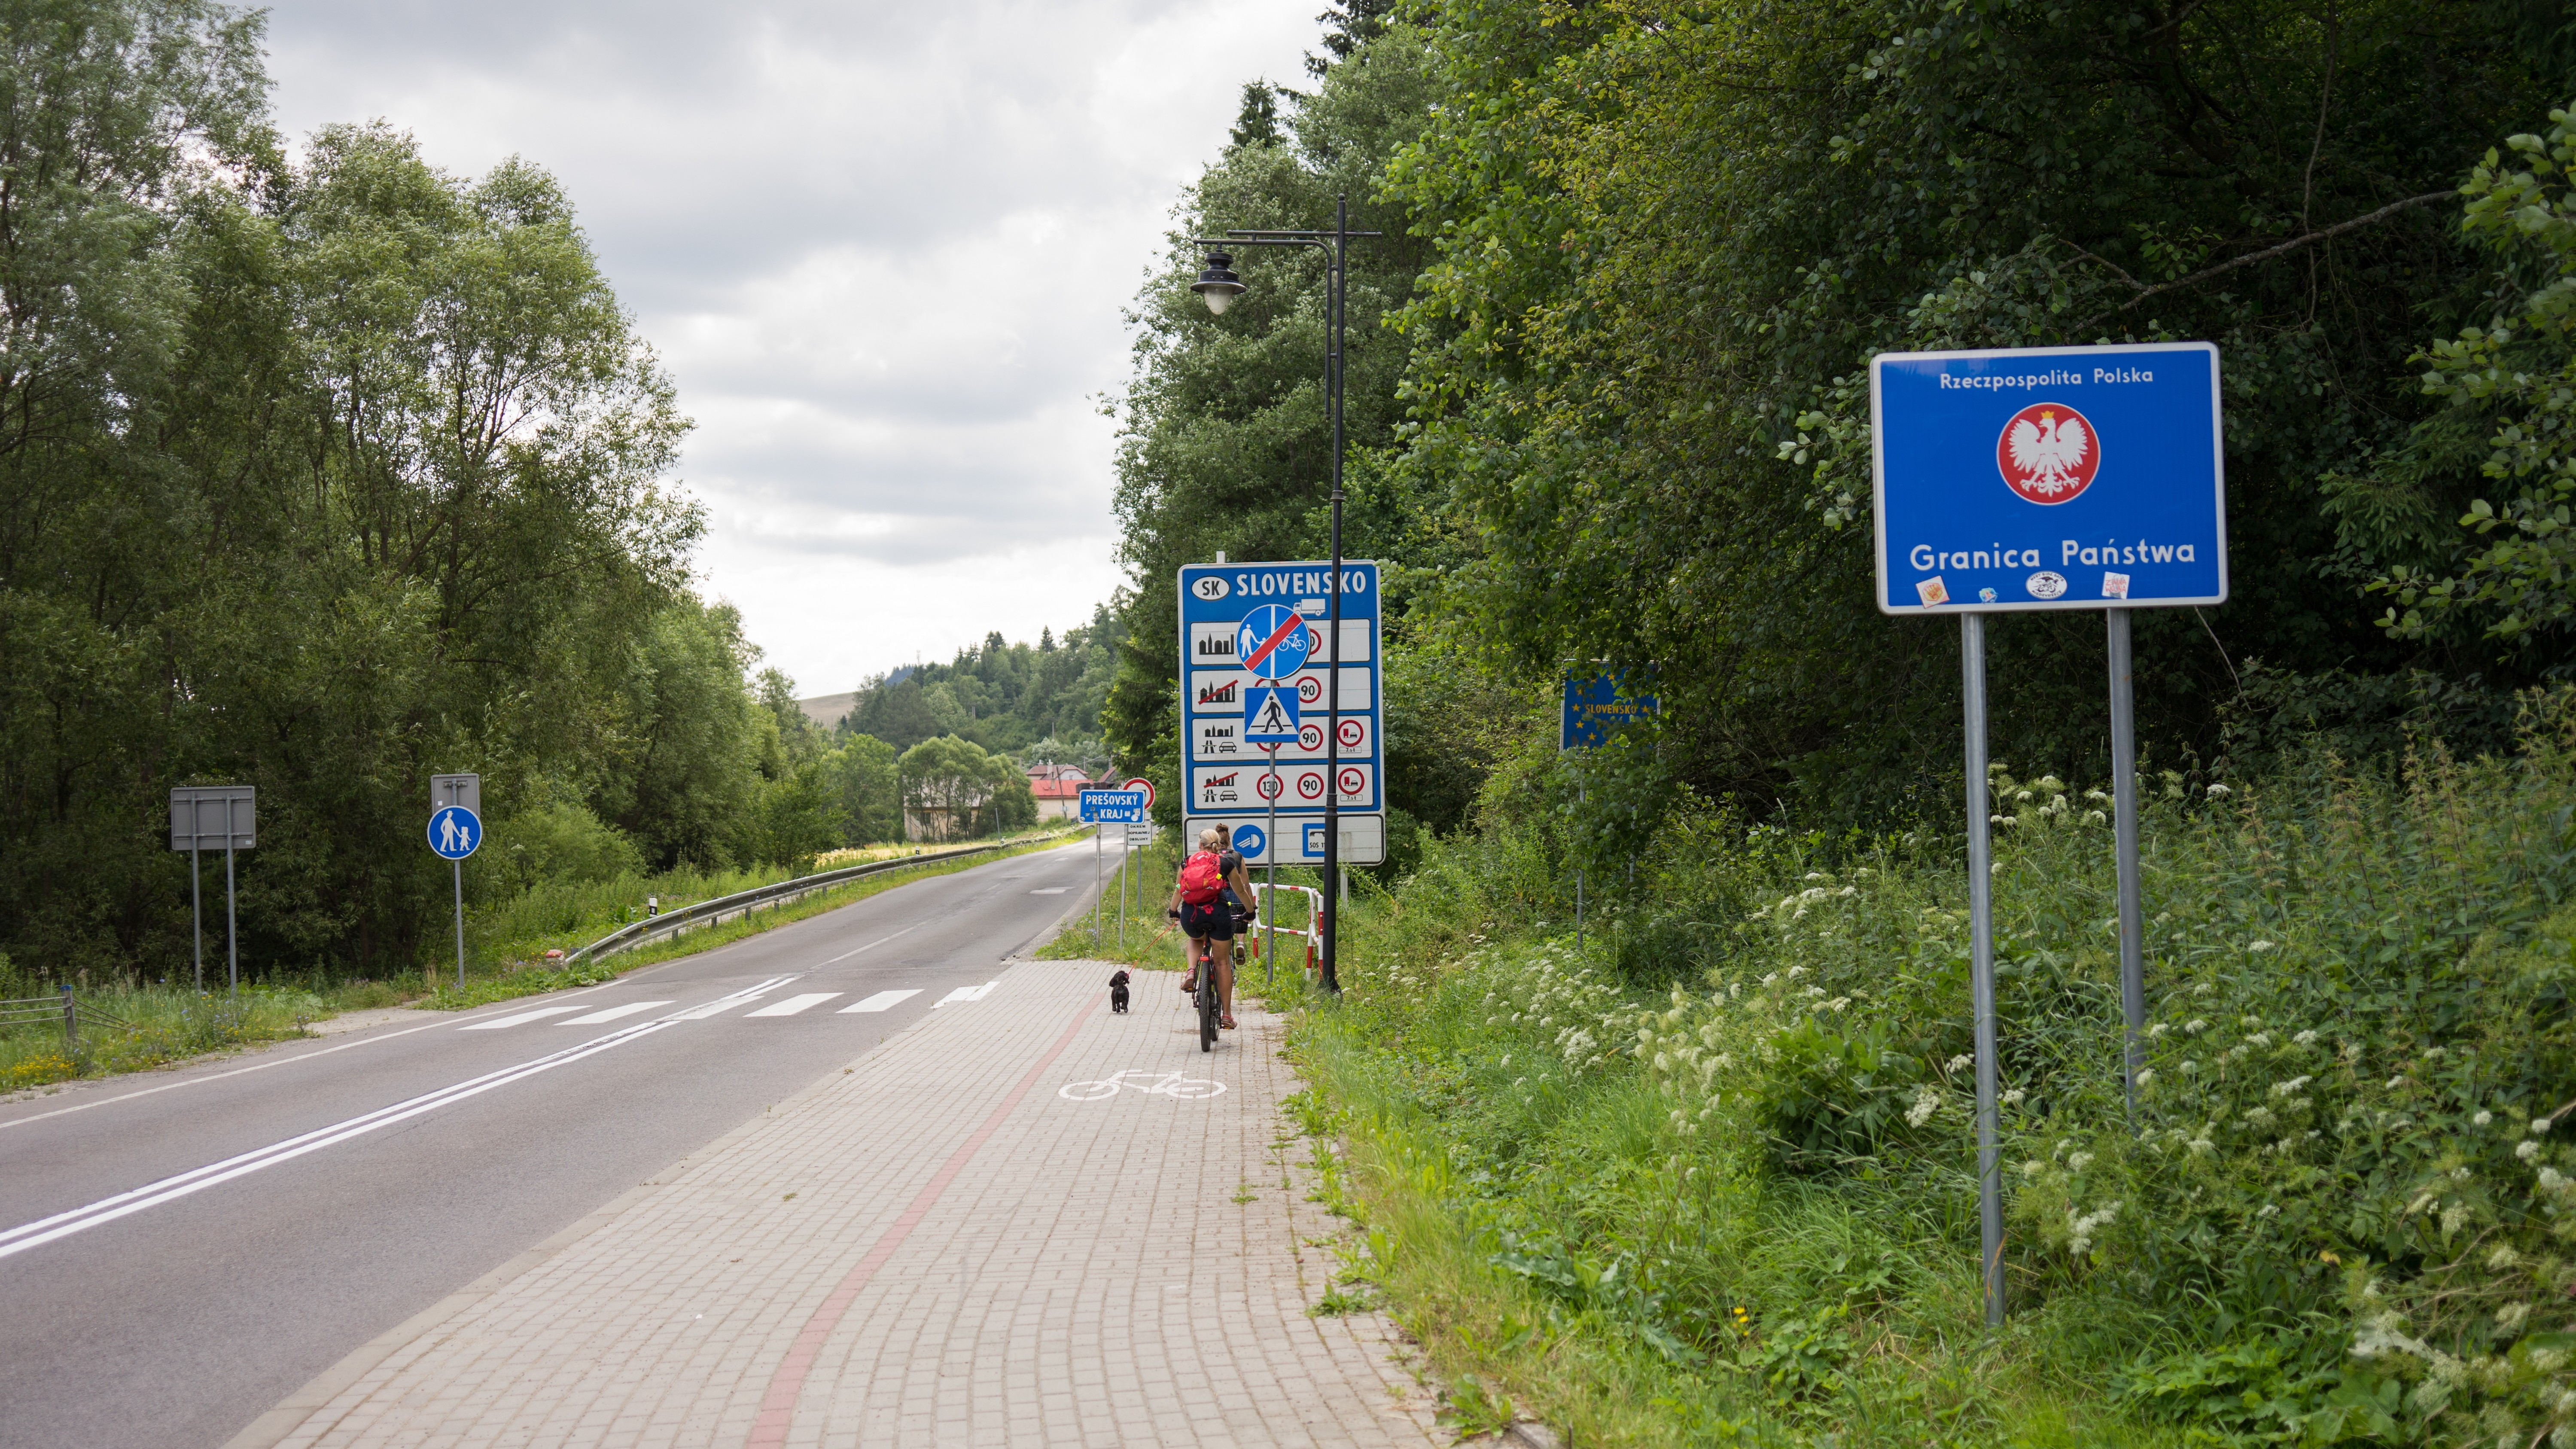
(778, 1406)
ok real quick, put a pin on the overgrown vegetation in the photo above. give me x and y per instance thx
(1712, 1177)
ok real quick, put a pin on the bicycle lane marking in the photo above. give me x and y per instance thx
(1164, 1084)
(778, 1405)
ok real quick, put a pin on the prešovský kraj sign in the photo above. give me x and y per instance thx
(2049, 478)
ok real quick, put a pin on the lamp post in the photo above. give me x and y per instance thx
(1218, 287)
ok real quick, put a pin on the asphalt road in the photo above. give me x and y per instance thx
(140, 1311)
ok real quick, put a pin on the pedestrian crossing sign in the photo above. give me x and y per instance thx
(1270, 715)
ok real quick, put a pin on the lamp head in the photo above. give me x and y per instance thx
(1217, 286)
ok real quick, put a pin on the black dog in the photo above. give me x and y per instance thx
(1118, 992)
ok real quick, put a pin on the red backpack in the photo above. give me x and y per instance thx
(1202, 878)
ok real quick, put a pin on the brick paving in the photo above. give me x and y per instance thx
(935, 1247)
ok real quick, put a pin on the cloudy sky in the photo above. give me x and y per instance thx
(884, 248)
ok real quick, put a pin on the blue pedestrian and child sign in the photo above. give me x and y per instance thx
(454, 832)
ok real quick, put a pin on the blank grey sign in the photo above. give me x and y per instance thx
(465, 790)
(214, 817)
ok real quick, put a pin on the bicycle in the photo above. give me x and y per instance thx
(1203, 995)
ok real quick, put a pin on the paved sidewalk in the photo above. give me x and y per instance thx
(939, 1246)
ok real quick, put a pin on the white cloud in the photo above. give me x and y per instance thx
(883, 248)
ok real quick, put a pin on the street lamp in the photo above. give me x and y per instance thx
(1218, 287)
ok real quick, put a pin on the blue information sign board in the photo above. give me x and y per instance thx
(1229, 613)
(1111, 807)
(2049, 478)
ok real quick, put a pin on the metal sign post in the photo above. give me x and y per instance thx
(1111, 807)
(1595, 705)
(2040, 480)
(202, 816)
(455, 832)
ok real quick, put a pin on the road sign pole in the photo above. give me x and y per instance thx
(1270, 842)
(460, 924)
(1981, 959)
(1124, 856)
(196, 903)
(1580, 797)
(1098, 882)
(2124, 849)
(232, 935)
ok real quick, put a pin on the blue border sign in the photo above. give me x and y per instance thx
(1596, 706)
(1226, 777)
(2049, 478)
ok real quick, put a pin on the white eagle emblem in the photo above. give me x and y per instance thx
(2048, 453)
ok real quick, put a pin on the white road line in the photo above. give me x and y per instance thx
(1051, 891)
(108, 1209)
(965, 993)
(882, 1001)
(727, 1003)
(235, 1072)
(795, 1004)
(612, 1013)
(522, 1019)
(872, 945)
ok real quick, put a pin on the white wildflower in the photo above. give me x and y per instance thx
(2305, 1038)
(2033, 1167)
(2259, 946)
(2503, 1258)
(2079, 1162)
(2260, 1116)
(2201, 1146)
(2482, 1119)
(2509, 1318)
(2157, 1030)
(2397, 1081)
(2189, 1066)
(2267, 1210)
(2219, 792)
(2526, 1149)
(1926, 1102)
(2013, 1098)
(2283, 1089)
(2259, 1039)
(2454, 1218)
(2146, 1077)
(2195, 1026)
(1837, 1004)
(1961, 1061)
(2539, 1126)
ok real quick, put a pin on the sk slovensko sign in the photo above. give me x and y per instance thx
(2049, 478)
(1253, 681)
(454, 832)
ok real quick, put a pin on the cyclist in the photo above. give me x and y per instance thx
(1199, 902)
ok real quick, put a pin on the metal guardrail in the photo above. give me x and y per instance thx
(742, 903)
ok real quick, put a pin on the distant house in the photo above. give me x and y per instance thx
(1058, 789)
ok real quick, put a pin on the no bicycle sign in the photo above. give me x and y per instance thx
(2049, 478)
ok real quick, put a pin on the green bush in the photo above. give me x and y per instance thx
(2343, 1212)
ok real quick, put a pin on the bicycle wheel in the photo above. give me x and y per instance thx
(1207, 1006)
